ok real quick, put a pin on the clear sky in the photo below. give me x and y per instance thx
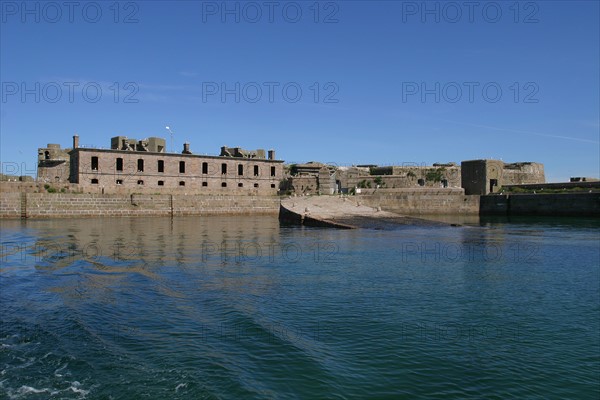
(346, 82)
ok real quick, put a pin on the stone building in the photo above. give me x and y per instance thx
(144, 166)
(312, 178)
(53, 164)
(488, 176)
(482, 177)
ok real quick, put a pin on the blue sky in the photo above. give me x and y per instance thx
(347, 82)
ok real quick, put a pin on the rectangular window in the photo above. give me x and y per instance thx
(119, 165)
(119, 181)
(94, 163)
(256, 170)
(204, 184)
(94, 181)
(140, 165)
(161, 183)
(140, 182)
(272, 171)
(205, 168)
(240, 184)
(240, 169)
(181, 183)
(224, 184)
(161, 166)
(182, 167)
(223, 168)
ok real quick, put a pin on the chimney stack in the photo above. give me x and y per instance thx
(186, 148)
(75, 141)
(271, 154)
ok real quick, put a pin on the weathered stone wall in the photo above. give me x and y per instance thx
(523, 173)
(571, 204)
(58, 205)
(10, 204)
(303, 184)
(405, 177)
(113, 171)
(421, 201)
(53, 164)
(489, 176)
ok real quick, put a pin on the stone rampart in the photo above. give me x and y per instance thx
(60, 205)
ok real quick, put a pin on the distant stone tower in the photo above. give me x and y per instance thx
(54, 164)
(488, 176)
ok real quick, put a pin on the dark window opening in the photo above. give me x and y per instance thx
(94, 163)
(272, 171)
(94, 181)
(421, 182)
(140, 166)
(181, 183)
(161, 166)
(47, 155)
(140, 182)
(256, 170)
(223, 168)
(240, 184)
(256, 185)
(445, 183)
(272, 186)
(161, 183)
(119, 164)
(240, 169)
(119, 181)
(204, 184)
(223, 184)
(182, 167)
(205, 168)
(493, 184)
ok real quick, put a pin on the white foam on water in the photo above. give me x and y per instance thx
(57, 374)
(181, 385)
(26, 390)
(75, 389)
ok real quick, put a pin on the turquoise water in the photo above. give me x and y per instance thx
(241, 307)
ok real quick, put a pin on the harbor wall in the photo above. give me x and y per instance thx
(559, 204)
(59, 205)
(421, 201)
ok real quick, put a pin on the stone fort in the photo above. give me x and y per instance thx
(476, 177)
(144, 166)
(132, 165)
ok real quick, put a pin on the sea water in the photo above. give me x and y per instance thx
(243, 307)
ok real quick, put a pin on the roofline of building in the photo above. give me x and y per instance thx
(174, 154)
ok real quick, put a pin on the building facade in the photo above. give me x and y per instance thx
(144, 166)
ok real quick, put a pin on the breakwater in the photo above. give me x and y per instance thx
(422, 201)
(58, 205)
(567, 204)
